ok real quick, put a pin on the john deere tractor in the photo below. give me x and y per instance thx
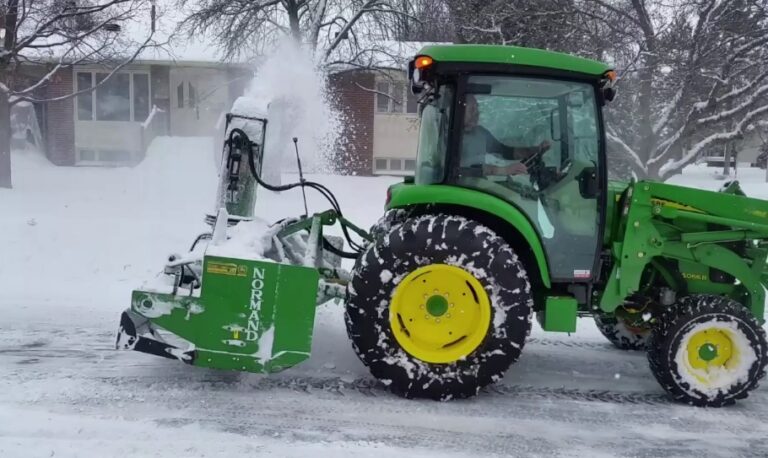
(509, 215)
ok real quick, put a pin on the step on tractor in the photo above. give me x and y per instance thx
(510, 214)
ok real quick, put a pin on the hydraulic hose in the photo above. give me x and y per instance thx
(324, 191)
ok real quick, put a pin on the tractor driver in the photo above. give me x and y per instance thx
(478, 142)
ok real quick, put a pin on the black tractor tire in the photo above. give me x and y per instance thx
(619, 334)
(384, 225)
(669, 362)
(428, 240)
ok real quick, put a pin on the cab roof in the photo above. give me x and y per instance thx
(514, 55)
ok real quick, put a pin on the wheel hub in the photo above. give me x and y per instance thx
(437, 305)
(708, 352)
(440, 313)
(709, 348)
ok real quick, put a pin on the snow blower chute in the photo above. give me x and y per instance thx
(244, 296)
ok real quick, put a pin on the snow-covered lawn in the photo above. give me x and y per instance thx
(75, 241)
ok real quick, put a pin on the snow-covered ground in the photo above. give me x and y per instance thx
(75, 241)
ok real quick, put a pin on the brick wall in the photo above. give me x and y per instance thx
(355, 149)
(60, 121)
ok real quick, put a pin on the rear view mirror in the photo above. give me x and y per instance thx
(609, 94)
(554, 125)
(588, 186)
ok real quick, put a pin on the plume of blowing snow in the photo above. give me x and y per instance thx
(290, 89)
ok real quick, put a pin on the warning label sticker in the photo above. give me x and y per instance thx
(228, 268)
(582, 273)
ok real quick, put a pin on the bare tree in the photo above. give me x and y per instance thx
(693, 73)
(339, 32)
(694, 78)
(40, 38)
(431, 21)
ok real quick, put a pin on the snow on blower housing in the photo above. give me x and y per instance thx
(510, 213)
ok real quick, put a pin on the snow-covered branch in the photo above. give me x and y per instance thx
(712, 139)
(611, 136)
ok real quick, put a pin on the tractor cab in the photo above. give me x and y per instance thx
(525, 127)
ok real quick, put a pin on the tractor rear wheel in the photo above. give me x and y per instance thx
(439, 307)
(707, 351)
(620, 334)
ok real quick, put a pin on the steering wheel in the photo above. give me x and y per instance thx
(544, 177)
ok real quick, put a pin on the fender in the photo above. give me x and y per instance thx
(404, 195)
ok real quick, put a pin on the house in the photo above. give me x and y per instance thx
(382, 135)
(188, 93)
(114, 124)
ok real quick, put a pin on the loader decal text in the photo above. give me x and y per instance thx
(257, 292)
(694, 276)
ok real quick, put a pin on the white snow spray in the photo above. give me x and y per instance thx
(291, 89)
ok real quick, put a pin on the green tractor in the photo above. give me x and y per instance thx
(510, 214)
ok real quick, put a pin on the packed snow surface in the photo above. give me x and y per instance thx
(75, 241)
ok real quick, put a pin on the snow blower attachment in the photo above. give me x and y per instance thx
(244, 296)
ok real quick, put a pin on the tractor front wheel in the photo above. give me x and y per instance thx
(707, 351)
(438, 307)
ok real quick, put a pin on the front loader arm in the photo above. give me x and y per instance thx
(660, 220)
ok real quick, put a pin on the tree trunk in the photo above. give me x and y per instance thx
(5, 142)
(727, 159)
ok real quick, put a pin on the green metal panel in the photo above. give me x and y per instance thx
(406, 195)
(615, 189)
(559, 314)
(255, 316)
(496, 54)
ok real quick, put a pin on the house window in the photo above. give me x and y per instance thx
(140, 96)
(180, 95)
(192, 95)
(382, 97)
(113, 97)
(395, 166)
(85, 100)
(86, 155)
(123, 97)
(381, 164)
(412, 102)
(395, 98)
(103, 157)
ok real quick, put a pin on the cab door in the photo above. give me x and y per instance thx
(557, 186)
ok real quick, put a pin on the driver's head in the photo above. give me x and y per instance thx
(471, 112)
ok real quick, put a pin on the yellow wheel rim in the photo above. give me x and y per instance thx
(440, 313)
(709, 352)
